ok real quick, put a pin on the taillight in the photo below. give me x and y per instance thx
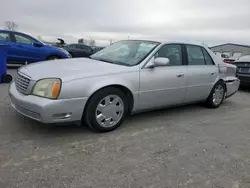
(228, 61)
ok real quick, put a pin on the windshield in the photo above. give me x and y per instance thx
(126, 53)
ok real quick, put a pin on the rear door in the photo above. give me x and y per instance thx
(201, 73)
(6, 38)
(24, 49)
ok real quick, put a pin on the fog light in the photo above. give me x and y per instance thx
(62, 115)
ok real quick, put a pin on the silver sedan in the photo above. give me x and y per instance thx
(126, 77)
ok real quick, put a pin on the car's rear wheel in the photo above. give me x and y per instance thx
(217, 95)
(53, 57)
(106, 110)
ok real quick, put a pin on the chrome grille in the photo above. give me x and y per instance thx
(22, 83)
(28, 113)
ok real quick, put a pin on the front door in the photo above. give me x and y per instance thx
(166, 85)
(201, 73)
(24, 49)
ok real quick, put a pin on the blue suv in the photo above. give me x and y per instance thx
(24, 48)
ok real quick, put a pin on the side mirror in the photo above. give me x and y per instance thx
(161, 61)
(38, 44)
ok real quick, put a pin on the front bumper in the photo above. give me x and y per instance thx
(232, 87)
(47, 110)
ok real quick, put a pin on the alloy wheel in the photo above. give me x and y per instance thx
(218, 94)
(109, 111)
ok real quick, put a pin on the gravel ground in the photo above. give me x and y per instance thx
(187, 146)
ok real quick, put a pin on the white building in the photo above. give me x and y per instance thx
(231, 50)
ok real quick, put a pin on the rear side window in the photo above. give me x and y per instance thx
(195, 55)
(4, 37)
(208, 59)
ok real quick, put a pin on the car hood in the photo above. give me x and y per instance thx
(70, 69)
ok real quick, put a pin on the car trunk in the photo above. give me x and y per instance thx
(243, 67)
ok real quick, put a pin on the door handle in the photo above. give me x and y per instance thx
(212, 73)
(180, 75)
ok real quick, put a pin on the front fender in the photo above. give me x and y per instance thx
(87, 86)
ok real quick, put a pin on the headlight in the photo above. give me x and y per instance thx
(48, 88)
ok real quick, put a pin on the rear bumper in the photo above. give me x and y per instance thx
(232, 87)
(244, 79)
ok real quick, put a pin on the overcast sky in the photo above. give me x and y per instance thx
(209, 21)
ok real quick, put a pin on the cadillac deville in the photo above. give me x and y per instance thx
(125, 78)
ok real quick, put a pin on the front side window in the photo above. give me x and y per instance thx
(23, 39)
(195, 55)
(128, 53)
(173, 52)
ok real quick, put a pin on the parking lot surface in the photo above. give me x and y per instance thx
(189, 146)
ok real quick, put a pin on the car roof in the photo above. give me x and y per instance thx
(172, 42)
(13, 32)
(16, 32)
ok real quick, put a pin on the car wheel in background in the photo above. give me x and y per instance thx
(6, 78)
(217, 95)
(53, 58)
(106, 109)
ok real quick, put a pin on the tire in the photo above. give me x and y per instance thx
(110, 105)
(54, 57)
(220, 88)
(6, 78)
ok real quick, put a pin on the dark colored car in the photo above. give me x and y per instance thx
(79, 50)
(243, 70)
(25, 48)
(97, 48)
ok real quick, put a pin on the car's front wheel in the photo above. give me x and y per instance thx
(106, 110)
(217, 95)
